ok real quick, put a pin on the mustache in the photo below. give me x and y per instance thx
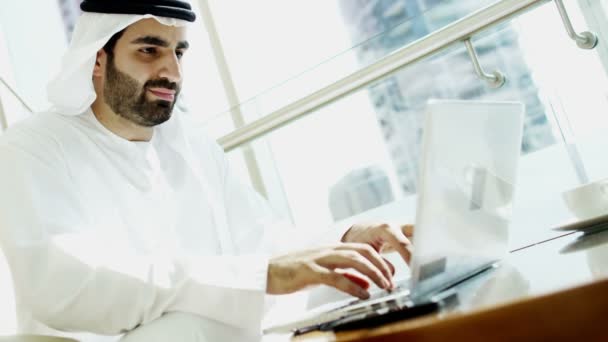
(161, 83)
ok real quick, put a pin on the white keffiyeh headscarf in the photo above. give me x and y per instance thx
(71, 92)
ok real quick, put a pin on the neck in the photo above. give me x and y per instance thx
(119, 125)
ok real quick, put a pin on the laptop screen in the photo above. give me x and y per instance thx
(467, 173)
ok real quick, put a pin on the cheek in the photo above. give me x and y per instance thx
(138, 72)
(142, 77)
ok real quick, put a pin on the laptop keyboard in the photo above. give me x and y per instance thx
(401, 290)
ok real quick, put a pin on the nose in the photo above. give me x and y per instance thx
(171, 69)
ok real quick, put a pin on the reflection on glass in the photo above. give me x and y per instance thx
(362, 151)
(597, 256)
(503, 284)
(593, 241)
(360, 190)
(70, 10)
(399, 100)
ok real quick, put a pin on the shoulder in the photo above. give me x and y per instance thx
(36, 136)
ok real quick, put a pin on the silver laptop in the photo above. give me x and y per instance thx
(468, 168)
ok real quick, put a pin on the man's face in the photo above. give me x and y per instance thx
(143, 76)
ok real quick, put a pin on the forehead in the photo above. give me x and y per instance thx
(151, 27)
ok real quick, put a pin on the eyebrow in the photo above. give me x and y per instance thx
(154, 40)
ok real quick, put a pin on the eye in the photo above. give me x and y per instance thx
(179, 54)
(148, 50)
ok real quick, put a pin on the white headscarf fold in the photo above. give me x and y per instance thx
(71, 92)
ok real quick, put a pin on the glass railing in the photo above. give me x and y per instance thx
(376, 29)
(358, 156)
(281, 52)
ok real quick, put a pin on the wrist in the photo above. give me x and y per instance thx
(269, 277)
(277, 276)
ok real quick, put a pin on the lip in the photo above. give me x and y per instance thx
(163, 93)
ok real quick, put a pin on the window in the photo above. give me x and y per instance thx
(280, 51)
(26, 68)
(362, 151)
(70, 10)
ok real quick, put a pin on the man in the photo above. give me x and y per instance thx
(115, 215)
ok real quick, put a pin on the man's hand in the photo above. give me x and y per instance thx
(383, 237)
(295, 271)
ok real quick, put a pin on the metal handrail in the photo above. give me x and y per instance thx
(584, 40)
(495, 80)
(429, 45)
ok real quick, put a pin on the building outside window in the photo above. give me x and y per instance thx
(399, 101)
(70, 10)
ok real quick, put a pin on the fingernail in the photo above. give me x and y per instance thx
(363, 294)
(386, 284)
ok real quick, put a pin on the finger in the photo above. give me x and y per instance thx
(372, 255)
(344, 284)
(390, 265)
(400, 243)
(352, 259)
(362, 282)
(408, 230)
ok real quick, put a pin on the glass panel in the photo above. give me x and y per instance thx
(31, 53)
(203, 92)
(380, 27)
(70, 10)
(358, 156)
(309, 43)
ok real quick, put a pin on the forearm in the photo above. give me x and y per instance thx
(114, 295)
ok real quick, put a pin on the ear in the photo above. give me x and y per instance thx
(100, 63)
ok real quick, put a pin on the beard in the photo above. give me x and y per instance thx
(127, 97)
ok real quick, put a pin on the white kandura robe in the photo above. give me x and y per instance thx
(103, 234)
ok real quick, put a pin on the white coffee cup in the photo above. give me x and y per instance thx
(589, 200)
